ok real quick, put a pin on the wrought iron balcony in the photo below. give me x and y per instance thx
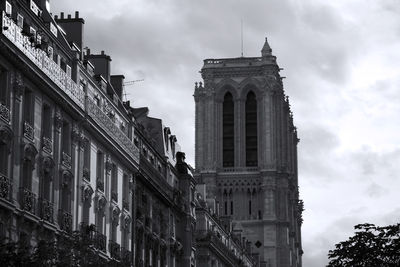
(46, 210)
(29, 131)
(47, 145)
(27, 200)
(42, 61)
(100, 241)
(66, 160)
(114, 248)
(4, 113)
(5, 187)
(65, 221)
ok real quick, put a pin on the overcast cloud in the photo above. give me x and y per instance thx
(341, 60)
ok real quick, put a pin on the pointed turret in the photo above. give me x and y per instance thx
(266, 50)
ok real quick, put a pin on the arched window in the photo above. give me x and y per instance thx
(251, 129)
(228, 131)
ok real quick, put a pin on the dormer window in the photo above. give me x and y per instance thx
(68, 71)
(8, 8)
(20, 21)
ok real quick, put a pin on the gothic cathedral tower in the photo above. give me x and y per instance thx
(246, 153)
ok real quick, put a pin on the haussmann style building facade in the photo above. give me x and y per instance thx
(75, 157)
(246, 154)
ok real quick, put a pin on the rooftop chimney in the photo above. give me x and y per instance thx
(73, 27)
(117, 81)
(101, 64)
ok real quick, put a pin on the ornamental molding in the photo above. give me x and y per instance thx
(47, 164)
(87, 192)
(115, 212)
(6, 135)
(29, 153)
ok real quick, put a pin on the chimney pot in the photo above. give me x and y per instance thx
(102, 52)
(55, 17)
(62, 15)
(69, 16)
(77, 14)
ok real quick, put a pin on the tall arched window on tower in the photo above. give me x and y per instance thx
(228, 131)
(251, 129)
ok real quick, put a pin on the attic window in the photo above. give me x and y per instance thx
(20, 21)
(69, 74)
(35, 8)
(8, 8)
(53, 29)
(136, 142)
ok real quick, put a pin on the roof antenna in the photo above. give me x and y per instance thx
(241, 33)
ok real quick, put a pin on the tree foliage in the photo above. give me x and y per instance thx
(369, 247)
(67, 251)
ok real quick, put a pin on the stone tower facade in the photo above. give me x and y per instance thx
(246, 153)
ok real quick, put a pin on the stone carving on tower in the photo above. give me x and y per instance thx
(246, 153)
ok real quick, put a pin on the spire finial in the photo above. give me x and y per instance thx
(266, 50)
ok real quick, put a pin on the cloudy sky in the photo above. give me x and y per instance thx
(341, 60)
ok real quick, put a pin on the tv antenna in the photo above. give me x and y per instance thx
(129, 83)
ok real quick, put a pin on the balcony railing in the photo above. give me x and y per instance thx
(100, 241)
(47, 145)
(65, 221)
(66, 160)
(42, 61)
(240, 169)
(46, 210)
(113, 130)
(29, 131)
(114, 248)
(4, 113)
(27, 200)
(5, 187)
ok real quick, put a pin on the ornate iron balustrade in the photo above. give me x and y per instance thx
(28, 200)
(66, 160)
(47, 145)
(42, 61)
(29, 131)
(46, 210)
(100, 241)
(65, 221)
(114, 248)
(4, 113)
(5, 187)
(113, 130)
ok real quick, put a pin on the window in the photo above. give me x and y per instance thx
(228, 131)
(231, 207)
(100, 171)
(46, 121)
(20, 21)
(27, 174)
(3, 159)
(28, 108)
(86, 159)
(66, 138)
(251, 130)
(50, 52)
(226, 207)
(249, 207)
(125, 192)
(114, 183)
(8, 8)
(4, 94)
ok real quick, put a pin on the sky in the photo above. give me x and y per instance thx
(341, 63)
